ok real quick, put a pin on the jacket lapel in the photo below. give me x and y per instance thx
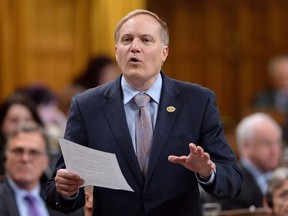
(167, 112)
(10, 200)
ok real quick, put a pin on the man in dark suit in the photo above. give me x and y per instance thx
(259, 143)
(188, 146)
(26, 159)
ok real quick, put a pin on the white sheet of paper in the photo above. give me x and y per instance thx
(97, 168)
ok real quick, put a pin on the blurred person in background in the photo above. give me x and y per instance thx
(275, 97)
(276, 199)
(26, 155)
(54, 120)
(88, 208)
(259, 144)
(16, 109)
(274, 100)
(99, 70)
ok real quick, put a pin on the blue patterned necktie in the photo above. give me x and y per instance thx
(144, 131)
(32, 205)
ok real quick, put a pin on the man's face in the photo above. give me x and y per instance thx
(26, 159)
(265, 151)
(280, 200)
(139, 51)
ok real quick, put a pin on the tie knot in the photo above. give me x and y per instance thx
(141, 99)
(30, 198)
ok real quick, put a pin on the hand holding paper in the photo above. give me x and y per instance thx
(95, 167)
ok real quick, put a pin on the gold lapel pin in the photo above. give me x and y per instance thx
(170, 109)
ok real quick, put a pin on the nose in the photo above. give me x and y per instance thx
(25, 156)
(136, 47)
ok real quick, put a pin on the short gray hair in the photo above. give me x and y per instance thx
(245, 130)
(277, 180)
(164, 29)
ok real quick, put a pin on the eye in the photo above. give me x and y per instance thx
(146, 40)
(18, 151)
(126, 40)
(284, 195)
(35, 153)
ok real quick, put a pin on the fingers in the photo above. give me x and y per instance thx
(67, 183)
(176, 159)
(197, 160)
(196, 150)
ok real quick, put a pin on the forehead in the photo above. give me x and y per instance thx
(265, 124)
(27, 140)
(282, 188)
(142, 23)
(18, 109)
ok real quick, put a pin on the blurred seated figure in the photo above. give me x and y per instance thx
(47, 105)
(88, 208)
(99, 70)
(277, 96)
(275, 99)
(53, 118)
(276, 199)
(16, 109)
(26, 158)
(259, 144)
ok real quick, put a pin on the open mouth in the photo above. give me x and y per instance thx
(134, 60)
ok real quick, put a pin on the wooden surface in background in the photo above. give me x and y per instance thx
(245, 212)
(222, 44)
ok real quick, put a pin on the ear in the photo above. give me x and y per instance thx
(165, 52)
(115, 52)
(268, 205)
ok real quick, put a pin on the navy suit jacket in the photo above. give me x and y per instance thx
(97, 120)
(8, 204)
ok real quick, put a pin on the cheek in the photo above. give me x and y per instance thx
(45, 163)
(8, 126)
(278, 205)
(9, 165)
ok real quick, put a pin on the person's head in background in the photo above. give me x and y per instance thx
(278, 70)
(46, 102)
(259, 139)
(15, 110)
(99, 70)
(26, 155)
(276, 199)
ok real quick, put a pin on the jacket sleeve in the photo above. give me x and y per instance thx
(228, 178)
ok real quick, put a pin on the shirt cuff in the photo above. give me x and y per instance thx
(206, 182)
(70, 197)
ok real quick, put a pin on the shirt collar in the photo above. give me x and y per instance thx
(154, 91)
(254, 170)
(21, 192)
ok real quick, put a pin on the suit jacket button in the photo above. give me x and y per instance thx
(147, 200)
(219, 191)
